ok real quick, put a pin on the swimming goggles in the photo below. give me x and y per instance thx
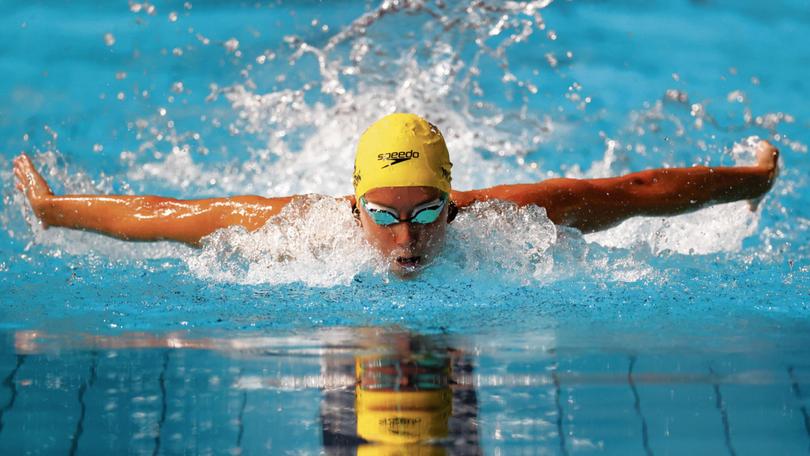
(422, 214)
(398, 374)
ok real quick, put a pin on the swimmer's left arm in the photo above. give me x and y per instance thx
(596, 204)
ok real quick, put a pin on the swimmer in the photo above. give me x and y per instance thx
(403, 198)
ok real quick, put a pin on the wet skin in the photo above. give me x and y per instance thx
(408, 246)
(585, 204)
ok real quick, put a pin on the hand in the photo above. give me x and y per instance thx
(32, 184)
(768, 159)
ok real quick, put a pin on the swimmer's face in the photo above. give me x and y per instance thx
(407, 246)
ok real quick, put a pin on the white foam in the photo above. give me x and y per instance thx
(501, 238)
(314, 240)
(720, 228)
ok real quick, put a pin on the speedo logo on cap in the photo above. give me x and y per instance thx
(395, 158)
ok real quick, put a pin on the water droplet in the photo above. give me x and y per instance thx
(120, 96)
(677, 95)
(173, 16)
(231, 45)
(109, 39)
(736, 95)
(120, 75)
(177, 87)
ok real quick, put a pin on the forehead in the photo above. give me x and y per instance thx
(397, 197)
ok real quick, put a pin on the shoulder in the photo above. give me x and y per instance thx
(542, 193)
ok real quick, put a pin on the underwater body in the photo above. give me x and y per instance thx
(661, 335)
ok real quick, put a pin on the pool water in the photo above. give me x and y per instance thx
(659, 336)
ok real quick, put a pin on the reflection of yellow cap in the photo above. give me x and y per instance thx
(380, 449)
(401, 150)
(403, 417)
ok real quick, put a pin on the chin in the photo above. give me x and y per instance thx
(406, 274)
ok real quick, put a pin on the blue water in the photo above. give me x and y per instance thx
(659, 336)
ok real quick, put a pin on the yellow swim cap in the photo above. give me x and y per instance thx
(401, 150)
(403, 417)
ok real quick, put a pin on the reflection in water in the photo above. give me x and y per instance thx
(405, 400)
(383, 391)
(388, 391)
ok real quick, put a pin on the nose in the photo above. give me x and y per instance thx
(404, 234)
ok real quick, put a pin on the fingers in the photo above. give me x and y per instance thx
(22, 161)
(19, 174)
(33, 183)
(767, 155)
(21, 165)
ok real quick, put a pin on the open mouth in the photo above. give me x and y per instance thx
(409, 262)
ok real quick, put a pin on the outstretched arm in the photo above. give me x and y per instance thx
(142, 218)
(597, 204)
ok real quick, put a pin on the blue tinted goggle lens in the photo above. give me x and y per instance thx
(424, 216)
(382, 217)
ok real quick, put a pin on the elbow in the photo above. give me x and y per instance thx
(646, 188)
(644, 179)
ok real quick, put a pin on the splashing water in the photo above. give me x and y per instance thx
(298, 110)
(501, 238)
(305, 137)
(314, 240)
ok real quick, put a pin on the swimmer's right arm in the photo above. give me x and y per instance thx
(142, 218)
